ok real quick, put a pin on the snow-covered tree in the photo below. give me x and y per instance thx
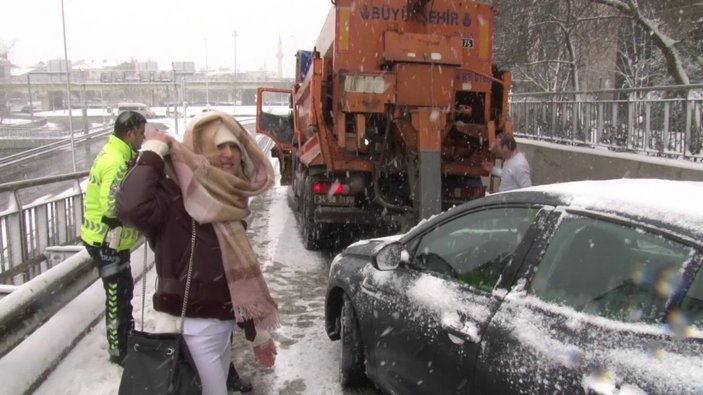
(555, 45)
(641, 14)
(549, 44)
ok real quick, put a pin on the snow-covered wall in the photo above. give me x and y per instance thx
(552, 163)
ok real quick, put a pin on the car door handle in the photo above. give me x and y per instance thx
(464, 333)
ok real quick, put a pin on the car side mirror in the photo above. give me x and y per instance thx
(387, 256)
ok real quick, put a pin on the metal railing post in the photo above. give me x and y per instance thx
(688, 142)
(21, 245)
(648, 126)
(61, 220)
(631, 144)
(77, 210)
(41, 215)
(665, 127)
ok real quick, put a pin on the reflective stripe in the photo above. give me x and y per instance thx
(129, 234)
(112, 269)
(95, 227)
(112, 319)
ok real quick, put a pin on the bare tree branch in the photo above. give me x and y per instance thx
(665, 43)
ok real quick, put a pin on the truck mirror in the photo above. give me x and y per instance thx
(276, 116)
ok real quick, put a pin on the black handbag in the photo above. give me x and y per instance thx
(160, 363)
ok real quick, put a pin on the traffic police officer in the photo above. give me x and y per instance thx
(107, 241)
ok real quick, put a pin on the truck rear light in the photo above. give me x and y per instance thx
(323, 188)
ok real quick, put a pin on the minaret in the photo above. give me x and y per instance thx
(279, 55)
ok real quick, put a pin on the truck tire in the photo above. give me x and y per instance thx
(351, 362)
(310, 231)
(295, 183)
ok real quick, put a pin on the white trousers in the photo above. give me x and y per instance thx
(209, 342)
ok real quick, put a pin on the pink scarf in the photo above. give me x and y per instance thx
(222, 199)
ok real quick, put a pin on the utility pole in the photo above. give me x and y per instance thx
(185, 103)
(68, 88)
(175, 101)
(234, 76)
(84, 103)
(29, 91)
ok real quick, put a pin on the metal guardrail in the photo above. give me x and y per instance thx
(662, 121)
(48, 148)
(27, 230)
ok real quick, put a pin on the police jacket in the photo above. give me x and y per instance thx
(153, 203)
(106, 175)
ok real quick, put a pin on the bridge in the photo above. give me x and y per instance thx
(565, 136)
(48, 91)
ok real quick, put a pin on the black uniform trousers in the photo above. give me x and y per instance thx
(116, 274)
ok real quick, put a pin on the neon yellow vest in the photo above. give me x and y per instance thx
(106, 175)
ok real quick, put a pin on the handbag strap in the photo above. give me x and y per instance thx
(190, 272)
(146, 250)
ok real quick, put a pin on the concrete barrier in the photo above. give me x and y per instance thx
(552, 163)
(25, 366)
(33, 303)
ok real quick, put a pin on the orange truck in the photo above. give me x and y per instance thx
(391, 114)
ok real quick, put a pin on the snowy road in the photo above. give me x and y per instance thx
(307, 360)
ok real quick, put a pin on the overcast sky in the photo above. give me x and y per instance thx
(162, 31)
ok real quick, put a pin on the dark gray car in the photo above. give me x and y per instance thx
(587, 287)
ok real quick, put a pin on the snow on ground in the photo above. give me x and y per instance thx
(86, 369)
(307, 360)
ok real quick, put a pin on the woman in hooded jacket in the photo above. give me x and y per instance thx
(196, 193)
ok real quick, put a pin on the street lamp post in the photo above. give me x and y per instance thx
(68, 87)
(29, 91)
(84, 106)
(234, 76)
(175, 100)
(207, 86)
(185, 103)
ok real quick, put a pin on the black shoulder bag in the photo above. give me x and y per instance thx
(160, 363)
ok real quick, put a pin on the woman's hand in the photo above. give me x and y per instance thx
(266, 353)
(157, 141)
(264, 348)
(160, 135)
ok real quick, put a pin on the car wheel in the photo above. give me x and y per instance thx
(351, 363)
